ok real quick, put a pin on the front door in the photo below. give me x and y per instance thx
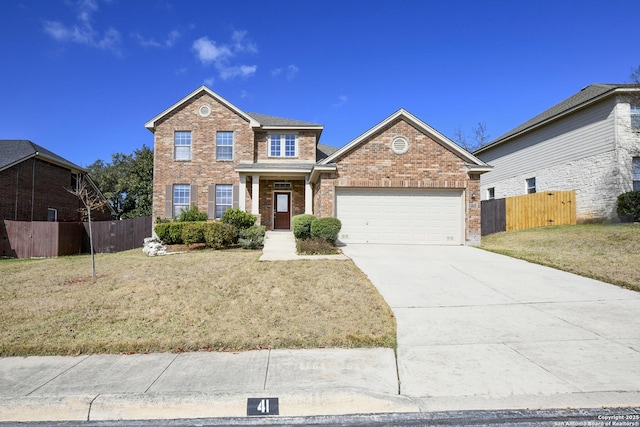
(282, 211)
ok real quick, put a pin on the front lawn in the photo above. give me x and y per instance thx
(200, 300)
(606, 252)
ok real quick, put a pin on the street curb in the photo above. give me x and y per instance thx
(149, 406)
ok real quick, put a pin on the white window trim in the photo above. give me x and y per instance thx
(527, 187)
(233, 146)
(489, 195)
(55, 214)
(283, 145)
(175, 146)
(215, 207)
(175, 213)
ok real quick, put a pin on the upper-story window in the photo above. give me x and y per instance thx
(224, 146)
(283, 145)
(531, 185)
(635, 117)
(182, 145)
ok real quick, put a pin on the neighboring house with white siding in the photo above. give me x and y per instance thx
(590, 143)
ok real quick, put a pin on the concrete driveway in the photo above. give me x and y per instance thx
(477, 330)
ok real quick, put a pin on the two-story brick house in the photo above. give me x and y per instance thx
(34, 183)
(401, 181)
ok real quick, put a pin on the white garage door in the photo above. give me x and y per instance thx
(403, 216)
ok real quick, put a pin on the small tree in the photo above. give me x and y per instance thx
(91, 200)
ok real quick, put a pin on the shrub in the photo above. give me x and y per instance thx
(170, 232)
(238, 218)
(316, 246)
(193, 232)
(191, 215)
(326, 228)
(301, 225)
(219, 235)
(629, 206)
(252, 237)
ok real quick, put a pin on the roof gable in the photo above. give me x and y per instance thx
(582, 99)
(420, 125)
(14, 151)
(151, 124)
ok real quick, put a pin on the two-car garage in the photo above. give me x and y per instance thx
(400, 215)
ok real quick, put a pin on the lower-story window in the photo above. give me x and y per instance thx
(635, 170)
(181, 198)
(52, 215)
(531, 185)
(224, 198)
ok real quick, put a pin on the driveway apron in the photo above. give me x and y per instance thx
(477, 325)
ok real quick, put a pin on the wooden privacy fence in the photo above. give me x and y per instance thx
(528, 211)
(20, 239)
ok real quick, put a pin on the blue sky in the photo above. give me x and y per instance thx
(82, 77)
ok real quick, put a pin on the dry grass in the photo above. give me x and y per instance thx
(201, 300)
(610, 253)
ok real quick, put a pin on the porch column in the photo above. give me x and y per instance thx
(255, 194)
(242, 193)
(308, 196)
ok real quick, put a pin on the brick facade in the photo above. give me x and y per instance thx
(203, 170)
(30, 188)
(428, 163)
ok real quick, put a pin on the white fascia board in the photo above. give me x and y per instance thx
(151, 124)
(318, 169)
(292, 128)
(417, 123)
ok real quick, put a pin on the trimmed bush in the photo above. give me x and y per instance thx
(629, 206)
(252, 237)
(326, 228)
(219, 235)
(301, 225)
(192, 215)
(193, 232)
(170, 232)
(238, 218)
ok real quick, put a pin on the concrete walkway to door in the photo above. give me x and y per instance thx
(477, 330)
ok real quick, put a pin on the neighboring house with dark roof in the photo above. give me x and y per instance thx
(401, 181)
(590, 143)
(34, 183)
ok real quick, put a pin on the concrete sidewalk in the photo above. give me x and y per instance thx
(281, 246)
(199, 385)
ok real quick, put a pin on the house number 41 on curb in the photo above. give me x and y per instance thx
(263, 406)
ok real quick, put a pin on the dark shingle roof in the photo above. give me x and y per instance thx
(272, 121)
(586, 95)
(14, 151)
(323, 151)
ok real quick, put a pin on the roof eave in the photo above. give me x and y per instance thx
(557, 117)
(318, 169)
(416, 122)
(151, 124)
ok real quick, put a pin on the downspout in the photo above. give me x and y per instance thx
(33, 184)
(15, 214)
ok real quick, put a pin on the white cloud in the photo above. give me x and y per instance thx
(207, 51)
(342, 99)
(237, 71)
(83, 32)
(210, 52)
(171, 39)
(242, 44)
(209, 81)
(291, 71)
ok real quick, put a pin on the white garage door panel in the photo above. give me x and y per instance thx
(383, 215)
